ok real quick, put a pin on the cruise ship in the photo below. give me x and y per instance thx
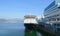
(52, 15)
(29, 21)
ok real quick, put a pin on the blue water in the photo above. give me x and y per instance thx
(11, 29)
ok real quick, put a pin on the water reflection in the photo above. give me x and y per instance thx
(30, 32)
(17, 30)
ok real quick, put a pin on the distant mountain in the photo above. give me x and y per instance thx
(11, 20)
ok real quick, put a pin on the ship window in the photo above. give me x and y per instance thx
(58, 7)
(54, 24)
(58, 24)
(58, 19)
(58, 29)
(57, 15)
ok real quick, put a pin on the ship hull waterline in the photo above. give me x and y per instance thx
(29, 26)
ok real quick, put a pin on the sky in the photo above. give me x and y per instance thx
(19, 8)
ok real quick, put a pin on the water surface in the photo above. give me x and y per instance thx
(11, 29)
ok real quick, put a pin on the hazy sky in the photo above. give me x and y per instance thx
(19, 8)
